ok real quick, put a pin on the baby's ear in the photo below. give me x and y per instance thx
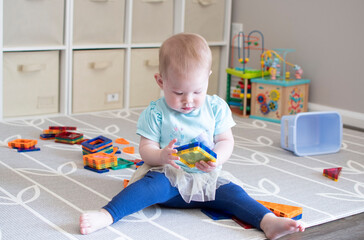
(159, 80)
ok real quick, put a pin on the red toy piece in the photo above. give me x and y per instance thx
(332, 173)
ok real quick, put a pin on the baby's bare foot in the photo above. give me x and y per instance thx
(275, 227)
(94, 220)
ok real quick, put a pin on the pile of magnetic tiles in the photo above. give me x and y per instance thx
(99, 155)
(62, 135)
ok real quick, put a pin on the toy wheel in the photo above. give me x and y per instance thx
(264, 108)
(273, 105)
(274, 95)
(261, 98)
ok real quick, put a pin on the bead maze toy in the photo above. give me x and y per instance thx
(194, 152)
(267, 93)
(238, 93)
(277, 95)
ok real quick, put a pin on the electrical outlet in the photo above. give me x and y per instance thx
(112, 97)
(236, 28)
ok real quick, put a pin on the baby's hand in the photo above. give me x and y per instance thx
(206, 166)
(167, 156)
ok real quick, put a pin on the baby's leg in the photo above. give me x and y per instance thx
(94, 220)
(275, 227)
(153, 188)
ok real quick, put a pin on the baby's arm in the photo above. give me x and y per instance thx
(154, 156)
(224, 145)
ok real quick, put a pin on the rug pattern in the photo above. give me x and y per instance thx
(43, 193)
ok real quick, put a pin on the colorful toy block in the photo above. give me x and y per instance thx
(97, 144)
(216, 215)
(126, 182)
(51, 131)
(282, 210)
(96, 170)
(108, 149)
(122, 163)
(332, 173)
(46, 136)
(122, 141)
(100, 160)
(138, 164)
(22, 143)
(241, 223)
(31, 149)
(69, 137)
(129, 150)
(135, 161)
(62, 128)
(194, 152)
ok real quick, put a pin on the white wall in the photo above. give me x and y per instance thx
(328, 36)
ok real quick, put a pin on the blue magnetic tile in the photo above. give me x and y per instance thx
(96, 170)
(104, 141)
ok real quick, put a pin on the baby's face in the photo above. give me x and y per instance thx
(186, 93)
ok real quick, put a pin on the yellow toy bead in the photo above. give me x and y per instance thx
(240, 60)
(246, 60)
(288, 74)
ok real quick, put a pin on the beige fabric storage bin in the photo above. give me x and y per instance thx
(143, 88)
(205, 17)
(98, 80)
(152, 20)
(214, 77)
(98, 21)
(32, 23)
(31, 83)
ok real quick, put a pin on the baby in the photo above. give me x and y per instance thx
(186, 114)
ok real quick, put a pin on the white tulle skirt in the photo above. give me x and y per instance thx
(199, 187)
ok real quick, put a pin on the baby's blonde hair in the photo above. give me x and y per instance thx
(183, 52)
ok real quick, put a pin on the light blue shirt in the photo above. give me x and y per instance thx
(162, 124)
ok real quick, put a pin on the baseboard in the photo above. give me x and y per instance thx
(350, 118)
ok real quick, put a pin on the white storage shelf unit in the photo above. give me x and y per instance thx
(73, 56)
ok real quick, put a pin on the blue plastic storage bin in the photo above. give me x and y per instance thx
(312, 133)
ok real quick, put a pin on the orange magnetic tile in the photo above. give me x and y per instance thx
(22, 143)
(51, 131)
(126, 182)
(100, 160)
(282, 210)
(122, 141)
(129, 150)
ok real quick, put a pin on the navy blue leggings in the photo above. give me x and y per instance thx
(155, 188)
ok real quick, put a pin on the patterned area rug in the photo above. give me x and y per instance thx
(43, 193)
